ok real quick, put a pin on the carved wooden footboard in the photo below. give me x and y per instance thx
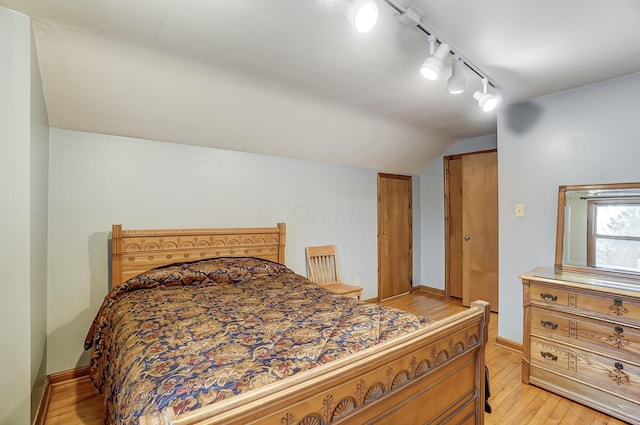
(434, 375)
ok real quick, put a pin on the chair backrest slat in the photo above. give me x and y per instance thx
(322, 264)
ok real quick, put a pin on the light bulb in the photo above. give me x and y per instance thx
(432, 66)
(363, 14)
(486, 101)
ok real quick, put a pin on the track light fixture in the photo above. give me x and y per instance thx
(432, 66)
(486, 100)
(456, 83)
(363, 15)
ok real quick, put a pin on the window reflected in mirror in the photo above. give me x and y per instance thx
(614, 239)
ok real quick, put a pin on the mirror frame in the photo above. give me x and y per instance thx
(562, 197)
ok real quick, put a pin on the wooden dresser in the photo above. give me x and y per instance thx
(581, 339)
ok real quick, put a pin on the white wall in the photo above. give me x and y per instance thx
(39, 191)
(23, 221)
(581, 136)
(431, 188)
(98, 180)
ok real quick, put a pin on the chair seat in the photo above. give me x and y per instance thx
(343, 289)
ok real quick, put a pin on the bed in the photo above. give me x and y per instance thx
(313, 359)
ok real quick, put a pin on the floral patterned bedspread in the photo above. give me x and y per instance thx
(191, 334)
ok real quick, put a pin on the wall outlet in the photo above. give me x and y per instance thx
(357, 280)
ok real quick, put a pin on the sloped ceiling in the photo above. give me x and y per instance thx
(292, 78)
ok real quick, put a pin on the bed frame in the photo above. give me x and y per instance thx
(434, 375)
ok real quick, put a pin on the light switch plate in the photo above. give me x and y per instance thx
(519, 210)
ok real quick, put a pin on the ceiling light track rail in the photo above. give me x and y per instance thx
(414, 15)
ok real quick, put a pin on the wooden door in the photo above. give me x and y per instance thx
(395, 254)
(472, 227)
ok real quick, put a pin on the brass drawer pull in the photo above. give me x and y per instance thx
(549, 297)
(549, 325)
(618, 329)
(619, 366)
(549, 356)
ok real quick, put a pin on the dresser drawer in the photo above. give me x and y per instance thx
(551, 356)
(607, 374)
(550, 323)
(616, 340)
(610, 306)
(548, 295)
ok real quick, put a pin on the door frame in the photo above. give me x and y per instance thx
(445, 167)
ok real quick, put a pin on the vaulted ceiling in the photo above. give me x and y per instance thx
(293, 78)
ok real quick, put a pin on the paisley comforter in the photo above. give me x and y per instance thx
(191, 334)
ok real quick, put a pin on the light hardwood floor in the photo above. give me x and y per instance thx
(76, 402)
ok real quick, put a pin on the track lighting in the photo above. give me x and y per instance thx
(456, 83)
(363, 14)
(432, 66)
(486, 100)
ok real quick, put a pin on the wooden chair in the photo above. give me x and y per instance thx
(323, 270)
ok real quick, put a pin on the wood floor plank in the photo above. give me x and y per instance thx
(513, 403)
(573, 416)
(541, 416)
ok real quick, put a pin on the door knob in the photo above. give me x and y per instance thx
(467, 237)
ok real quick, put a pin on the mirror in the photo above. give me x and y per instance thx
(599, 229)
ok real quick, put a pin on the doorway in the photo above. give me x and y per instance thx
(471, 227)
(395, 235)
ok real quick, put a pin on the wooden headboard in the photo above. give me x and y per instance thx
(136, 251)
